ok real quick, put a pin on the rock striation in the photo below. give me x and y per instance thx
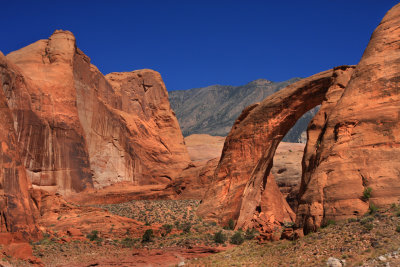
(358, 143)
(243, 188)
(17, 211)
(78, 129)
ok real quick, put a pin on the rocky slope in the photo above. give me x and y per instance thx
(358, 144)
(213, 109)
(79, 129)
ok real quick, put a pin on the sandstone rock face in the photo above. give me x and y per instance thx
(243, 188)
(53, 146)
(287, 170)
(155, 139)
(17, 211)
(359, 141)
(78, 129)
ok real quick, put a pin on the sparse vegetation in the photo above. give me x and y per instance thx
(367, 193)
(93, 236)
(359, 239)
(219, 237)
(167, 228)
(186, 227)
(372, 208)
(369, 226)
(237, 238)
(127, 242)
(148, 236)
(231, 225)
(250, 234)
(330, 222)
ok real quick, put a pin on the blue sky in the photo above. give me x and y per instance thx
(200, 43)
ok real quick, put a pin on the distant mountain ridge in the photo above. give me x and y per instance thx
(213, 109)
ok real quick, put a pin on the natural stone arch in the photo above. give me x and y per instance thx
(242, 185)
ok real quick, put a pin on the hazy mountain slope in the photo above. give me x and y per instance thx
(213, 109)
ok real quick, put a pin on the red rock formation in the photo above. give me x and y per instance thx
(155, 141)
(243, 188)
(17, 212)
(359, 144)
(78, 129)
(48, 128)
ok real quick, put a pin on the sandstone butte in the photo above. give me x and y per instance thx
(78, 129)
(353, 144)
(66, 128)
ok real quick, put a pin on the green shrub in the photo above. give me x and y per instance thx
(250, 234)
(186, 227)
(167, 228)
(372, 208)
(369, 226)
(127, 242)
(231, 224)
(93, 235)
(148, 236)
(330, 222)
(398, 228)
(350, 220)
(288, 224)
(237, 238)
(366, 220)
(367, 193)
(219, 238)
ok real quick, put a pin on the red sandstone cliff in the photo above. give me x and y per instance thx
(17, 210)
(359, 145)
(78, 129)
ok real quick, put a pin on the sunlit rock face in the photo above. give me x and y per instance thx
(17, 210)
(353, 144)
(79, 129)
(359, 144)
